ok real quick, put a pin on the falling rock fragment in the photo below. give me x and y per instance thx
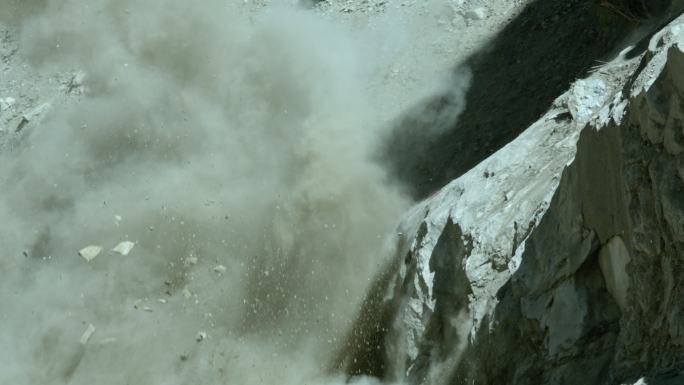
(87, 334)
(613, 260)
(191, 260)
(6, 103)
(479, 13)
(34, 115)
(90, 252)
(586, 98)
(124, 247)
(201, 336)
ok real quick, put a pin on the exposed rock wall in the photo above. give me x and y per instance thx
(558, 260)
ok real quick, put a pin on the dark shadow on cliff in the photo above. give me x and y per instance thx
(519, 344)
(514, 81)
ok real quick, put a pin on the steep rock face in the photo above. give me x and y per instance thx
(652, 331)
(558, 259)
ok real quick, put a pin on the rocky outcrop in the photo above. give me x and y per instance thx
(557, 260)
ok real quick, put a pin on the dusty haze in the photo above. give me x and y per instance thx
(231, 146)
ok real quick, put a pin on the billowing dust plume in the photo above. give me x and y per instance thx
(232, 149)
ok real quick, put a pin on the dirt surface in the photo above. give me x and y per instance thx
(24, 90)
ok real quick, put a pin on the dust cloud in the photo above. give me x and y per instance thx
(231, 147)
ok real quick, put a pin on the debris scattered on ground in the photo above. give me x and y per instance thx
(74, 85)
(35, 114)
(124, 247)
(6, 103)
(90, 252)
(87, 334)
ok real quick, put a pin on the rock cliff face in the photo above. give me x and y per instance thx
(558, 259)
(195, 209)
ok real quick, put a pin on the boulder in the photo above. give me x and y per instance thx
(557, 260)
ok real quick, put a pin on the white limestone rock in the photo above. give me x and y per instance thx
(85, 337)
(90, 252)
(124, 248)
(613, 259)
(479, 13)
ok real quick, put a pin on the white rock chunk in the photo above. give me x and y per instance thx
(191, 261)
(107, 341)
(124, 247)
(201, 336)
(90, 252)
(479, 13)
(613, 260)
(220, 269)
(87, 334)
(587, 96)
